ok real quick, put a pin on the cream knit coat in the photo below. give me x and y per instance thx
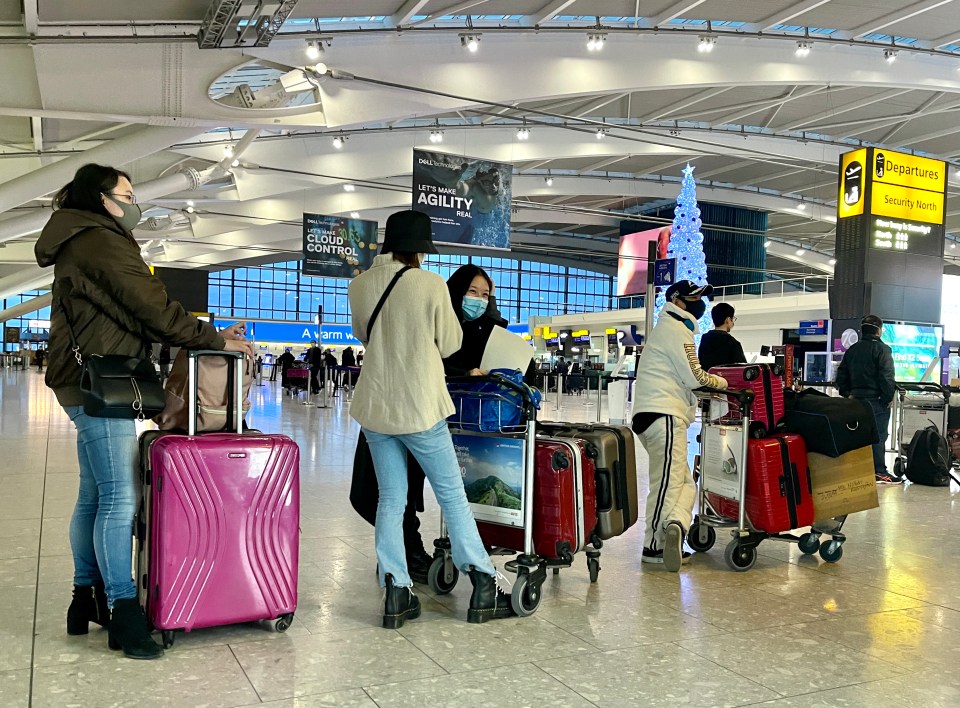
(402, 388)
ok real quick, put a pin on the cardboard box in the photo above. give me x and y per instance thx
(843, 485)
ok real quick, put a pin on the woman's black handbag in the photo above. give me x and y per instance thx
(117, 386)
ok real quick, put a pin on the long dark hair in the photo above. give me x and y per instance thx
(459, 283)
(89, 182)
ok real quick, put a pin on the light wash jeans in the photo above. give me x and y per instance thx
(433, 449)
(101, 530)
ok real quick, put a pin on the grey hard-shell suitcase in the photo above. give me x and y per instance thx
(616, 461)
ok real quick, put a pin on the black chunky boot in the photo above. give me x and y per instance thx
(89, 605)
(128, 631)
(400, 605)
(487, 602)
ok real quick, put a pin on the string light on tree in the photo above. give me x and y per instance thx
(686, 244)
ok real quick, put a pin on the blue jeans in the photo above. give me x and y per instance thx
(881, 414)
(433, 449)
(101, 530)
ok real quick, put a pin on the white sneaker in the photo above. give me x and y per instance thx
(673, 546)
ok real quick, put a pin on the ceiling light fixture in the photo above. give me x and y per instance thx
(523, 133)
(338, 142)
(803, 49)
(235, 163)
(436, 136)
(314, 50)
(800, 251)
(595, 41)
(470, 42)
(354, 214)
(190, 202)
(189, 209)
(601, 133)
(890, 55)
(707, 44)
(549, 181)
(766, 244)
(833, 261)
(801, 206)
(953, 246)
(349, 188)
(228, 150)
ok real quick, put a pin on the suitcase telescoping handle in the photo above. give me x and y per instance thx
(234, 388)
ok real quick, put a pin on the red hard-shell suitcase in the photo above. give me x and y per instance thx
(766, 382)
(219, 533)
(565, 503)
(779, 488)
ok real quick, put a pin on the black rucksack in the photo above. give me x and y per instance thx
(928, 458)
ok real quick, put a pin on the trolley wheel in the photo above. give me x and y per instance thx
(831, 552)
(525, 596)
(740, 557)
(282, 623)
(809, 543)
(593, 565)
(556, 571)
(166, 636)
(436, 578)
(693, 538)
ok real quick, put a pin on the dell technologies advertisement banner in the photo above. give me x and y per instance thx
(466, 198)
(335, 247)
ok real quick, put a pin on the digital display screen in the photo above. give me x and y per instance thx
(914, 347)
(905, 236)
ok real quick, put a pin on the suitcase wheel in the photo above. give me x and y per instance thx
(809, 543)
(593, 565)
(740, 557)
(750, 373)
(525, 596)
(831, 551)
(282, 623)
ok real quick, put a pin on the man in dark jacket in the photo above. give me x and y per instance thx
(315, 360)
(718, 347)
(866, 374)
(285, 361)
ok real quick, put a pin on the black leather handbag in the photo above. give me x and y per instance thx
(116, 385)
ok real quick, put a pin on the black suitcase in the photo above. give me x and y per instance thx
(829, 425)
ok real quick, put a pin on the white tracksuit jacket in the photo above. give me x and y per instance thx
(669, 369)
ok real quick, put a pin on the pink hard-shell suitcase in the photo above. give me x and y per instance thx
(220, 526)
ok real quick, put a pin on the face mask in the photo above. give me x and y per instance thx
(696, 308)
(473, 307)
(131, 214)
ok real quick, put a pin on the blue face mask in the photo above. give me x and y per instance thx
(473, 307)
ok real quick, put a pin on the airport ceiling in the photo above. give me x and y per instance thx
(129, 83)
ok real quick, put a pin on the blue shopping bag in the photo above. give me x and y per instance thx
(488, 406)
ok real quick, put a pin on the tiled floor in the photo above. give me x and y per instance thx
(880, 628)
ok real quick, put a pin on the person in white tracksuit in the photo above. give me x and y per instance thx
(664, 407)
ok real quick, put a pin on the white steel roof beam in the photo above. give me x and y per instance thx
(546, 12)
(945, 40)
(893, 18)
(926, 105)
(699, 97)
(674, 11)
(784, 16)
(31, 16)
(877, 98)
(406, 13)
(448, 10)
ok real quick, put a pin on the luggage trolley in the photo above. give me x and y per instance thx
(491, 416)
(722, 491)
(917, 406)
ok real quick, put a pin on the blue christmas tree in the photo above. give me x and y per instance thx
(686, 244)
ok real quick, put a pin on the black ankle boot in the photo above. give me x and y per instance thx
(487, 602)
(128, 631)
(401, 604)
(89, 605)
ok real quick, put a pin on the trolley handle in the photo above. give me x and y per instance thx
(744, 396)
(905, 387)
(818, 384)
(500, 379)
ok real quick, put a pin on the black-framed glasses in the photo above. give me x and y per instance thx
(132, 197)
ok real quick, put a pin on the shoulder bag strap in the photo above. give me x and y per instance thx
(75, 346)
(383, 299)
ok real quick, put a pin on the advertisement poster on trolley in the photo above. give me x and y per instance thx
(492, 471)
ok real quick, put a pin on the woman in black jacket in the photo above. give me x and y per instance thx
(471, 292)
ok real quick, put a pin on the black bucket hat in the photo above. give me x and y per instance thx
(409, 231)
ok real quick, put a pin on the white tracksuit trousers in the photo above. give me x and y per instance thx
(672, 489)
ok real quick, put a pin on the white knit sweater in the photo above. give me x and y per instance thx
(669, 369)
(402, 388)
